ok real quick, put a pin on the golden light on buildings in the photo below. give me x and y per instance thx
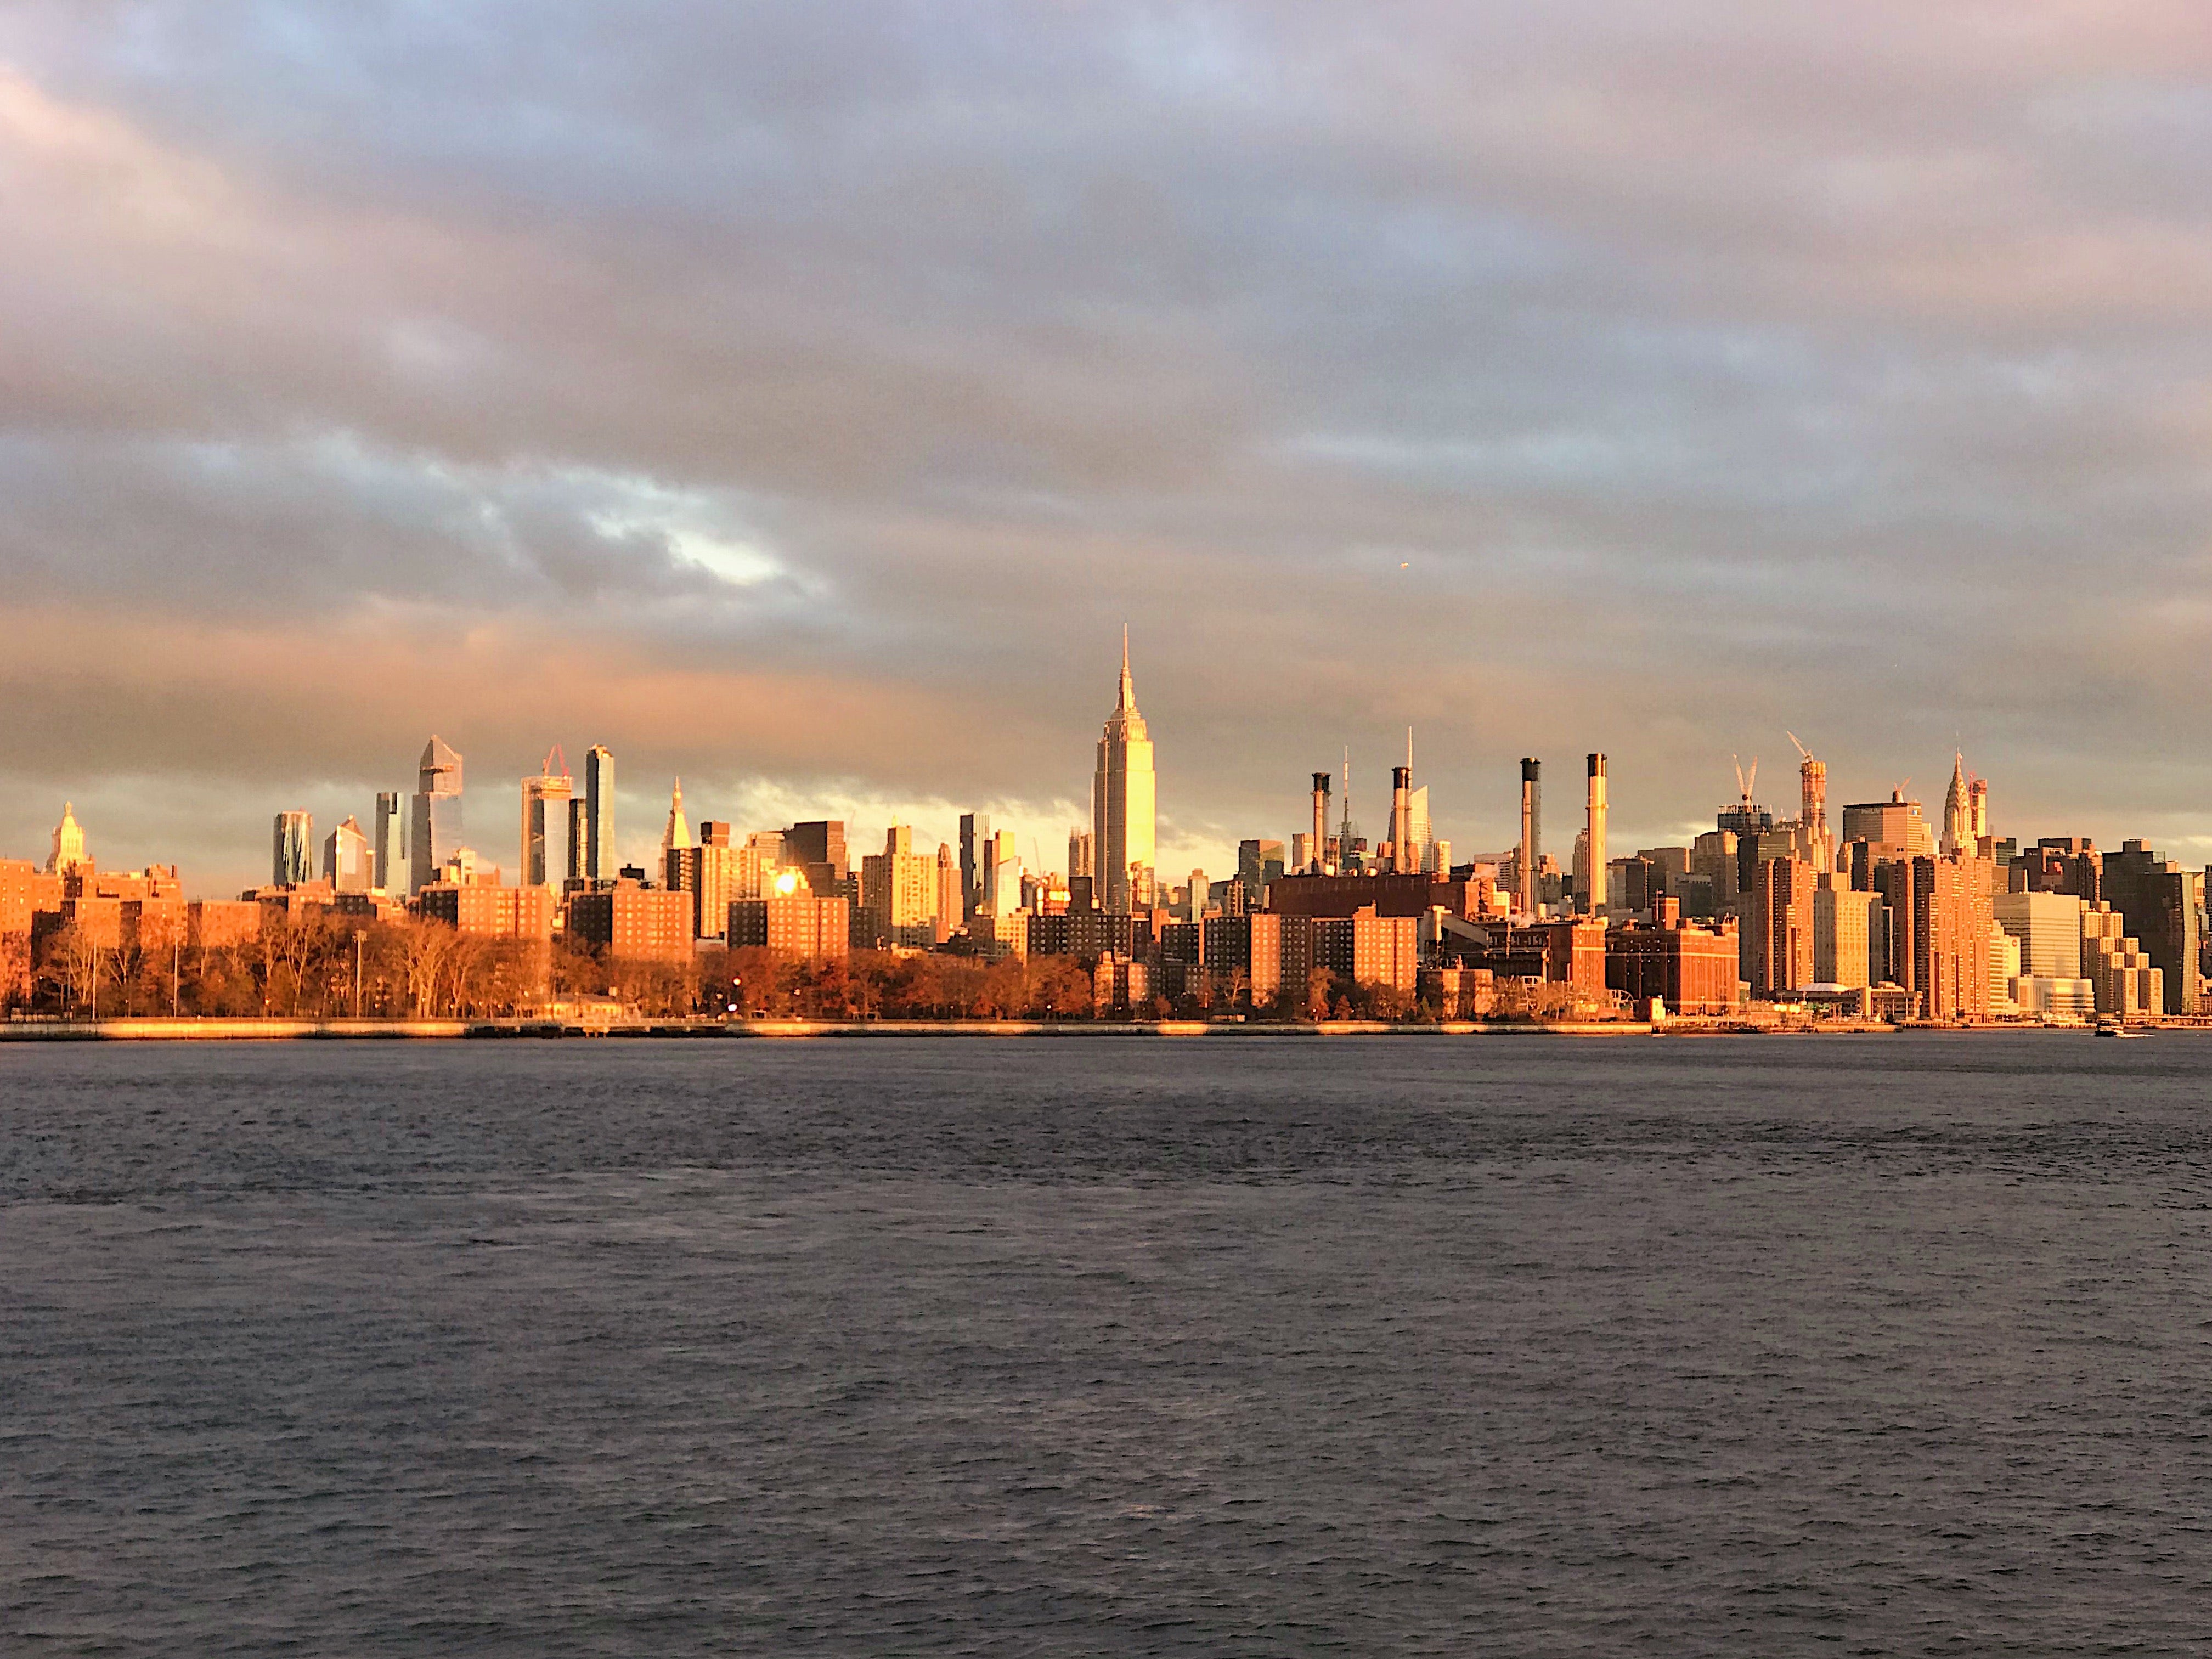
(786, 883)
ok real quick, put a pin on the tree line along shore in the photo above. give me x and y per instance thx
(316, 967)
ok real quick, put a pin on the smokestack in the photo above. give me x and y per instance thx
(1596, 830)
(1404, 856)
(1532, 807)
(1321, 819)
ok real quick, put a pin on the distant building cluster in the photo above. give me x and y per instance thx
(1885, 915)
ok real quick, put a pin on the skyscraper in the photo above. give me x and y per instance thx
(1121, 800)
(898, 888)
(1002, 876)
(69, 844)
(1079, 864)
(1813, 797)
(600, 861)
(1783, 926)
(952, 902)
(1812, 810)
(1891, 828)
(818, 846)
(347, 863)
(579, 842)
(1848, 944)
(1958, 826)
(292, 853)
(546, 800)
(1419, 832)
(436, 815)
(975, 835)
(389, 834)
(1951, 920)
(2159, 901)
(1259, 865)
(711, 873)
(677, 837)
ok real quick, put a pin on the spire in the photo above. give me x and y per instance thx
(676, 837)
(1957, 832)
(1129, 694)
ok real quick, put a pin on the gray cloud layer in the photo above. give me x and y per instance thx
(800, 397)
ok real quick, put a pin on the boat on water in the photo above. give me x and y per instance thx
(2113, 1028)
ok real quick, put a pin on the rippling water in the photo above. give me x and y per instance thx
(1516, 1346)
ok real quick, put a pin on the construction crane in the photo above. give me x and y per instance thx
(1746, 780)
(1804, 753)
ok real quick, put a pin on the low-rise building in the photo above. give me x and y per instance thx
(800, 924)
(213, 924)
(484, 910)
(1692, 970)
(633, 922)
(1274, 954)
(2036, 997)
(1388, 897)
(1119, 985)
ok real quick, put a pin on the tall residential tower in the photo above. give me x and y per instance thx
(600, 862)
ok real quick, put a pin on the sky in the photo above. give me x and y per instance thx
(799, 399)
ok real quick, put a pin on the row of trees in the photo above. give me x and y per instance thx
(878, 985)
(309, 967)
(318, 967)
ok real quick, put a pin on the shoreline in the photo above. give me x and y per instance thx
(164, 1030)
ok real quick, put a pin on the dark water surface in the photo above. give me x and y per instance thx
(1517, 1347)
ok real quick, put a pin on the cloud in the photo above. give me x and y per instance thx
(801, 399)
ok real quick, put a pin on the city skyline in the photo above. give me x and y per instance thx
(798, 445)
(643, 827)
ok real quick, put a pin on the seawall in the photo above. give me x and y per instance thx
(275, 1030)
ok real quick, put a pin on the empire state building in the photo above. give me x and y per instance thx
(1121, 802)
